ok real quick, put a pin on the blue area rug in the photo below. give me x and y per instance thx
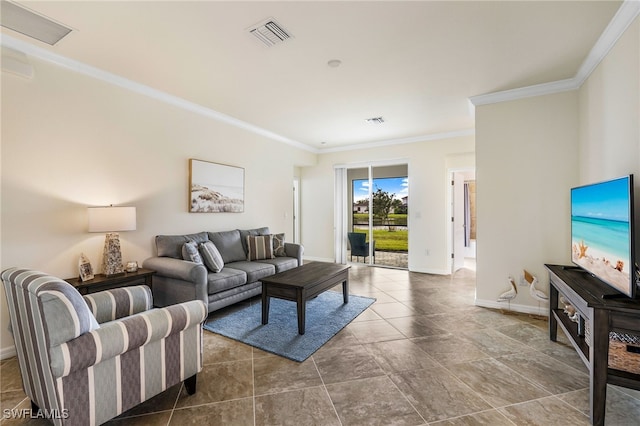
(326, 315)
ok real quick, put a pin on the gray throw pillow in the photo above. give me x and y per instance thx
(212, 257)
(190, 252)
(278, 245)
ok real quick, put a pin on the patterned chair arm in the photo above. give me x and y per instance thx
(120, 336)
(118, 303)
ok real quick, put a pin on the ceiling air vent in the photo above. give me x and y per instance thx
(375, 120)
(270, 33)
(31, 24)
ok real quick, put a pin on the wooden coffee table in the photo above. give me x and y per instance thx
(303, 283)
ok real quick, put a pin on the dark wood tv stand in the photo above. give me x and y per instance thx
(590, 335)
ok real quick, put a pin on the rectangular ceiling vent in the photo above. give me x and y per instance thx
(31, 24)
(375, 120)
(270, 33)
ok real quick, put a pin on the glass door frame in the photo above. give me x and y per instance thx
(341, 188)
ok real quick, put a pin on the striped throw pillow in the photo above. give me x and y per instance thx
(211, 256)
(259, 247)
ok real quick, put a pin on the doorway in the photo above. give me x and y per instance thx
(376, 207)
(463, 218)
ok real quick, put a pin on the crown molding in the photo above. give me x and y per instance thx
(525, 92)
(625, 15)
(401, 141)
(116, 80)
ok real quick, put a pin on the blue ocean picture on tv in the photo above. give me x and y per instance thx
(600, 237)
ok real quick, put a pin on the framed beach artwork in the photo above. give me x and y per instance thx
(215, 188)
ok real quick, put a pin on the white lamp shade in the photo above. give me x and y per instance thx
(112, 219)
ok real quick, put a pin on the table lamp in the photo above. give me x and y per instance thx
(112, 220)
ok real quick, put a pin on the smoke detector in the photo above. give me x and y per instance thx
(375, 120)
(270, 33)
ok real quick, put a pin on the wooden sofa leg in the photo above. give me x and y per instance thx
(190, 384)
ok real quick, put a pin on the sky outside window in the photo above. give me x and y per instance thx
(397, 185)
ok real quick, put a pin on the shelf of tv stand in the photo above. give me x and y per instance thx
(600, 316)
(570, 329)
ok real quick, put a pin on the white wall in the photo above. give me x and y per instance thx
(526, 161)
(69, 142)
(530, 153)
(429, 228)
(609, 112)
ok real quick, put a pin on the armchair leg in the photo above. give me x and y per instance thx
(190, 384)
(34, 409)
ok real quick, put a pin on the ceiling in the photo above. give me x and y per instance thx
(415, 63)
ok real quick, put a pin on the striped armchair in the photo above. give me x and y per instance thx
(86, 360)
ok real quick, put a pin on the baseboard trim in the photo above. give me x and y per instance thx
(523, 309)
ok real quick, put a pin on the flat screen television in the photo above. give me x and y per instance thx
(602, 234)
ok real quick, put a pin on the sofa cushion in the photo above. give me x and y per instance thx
(226, 279)
(281, 263)
(171, 245)
(259, 247)
(190, 252)
(244, 233)
(211, 256)
(255, 270)
(229, 245)
(278, 245)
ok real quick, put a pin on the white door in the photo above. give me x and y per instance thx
(296, 210)
(457, 220)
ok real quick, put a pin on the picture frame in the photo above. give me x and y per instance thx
(85, 269)
(215, 188)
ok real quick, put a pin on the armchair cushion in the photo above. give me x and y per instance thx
(118, 303)
(66, 314)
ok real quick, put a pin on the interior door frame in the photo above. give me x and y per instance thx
(457, 178)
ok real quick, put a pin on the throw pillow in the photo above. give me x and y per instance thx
(190, 252)
(278, 245)
(259, 247)
(212, 257)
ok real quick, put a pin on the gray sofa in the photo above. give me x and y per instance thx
(178, 280)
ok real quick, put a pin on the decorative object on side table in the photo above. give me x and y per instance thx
(84, 268)
(112, 220)
(132, 266)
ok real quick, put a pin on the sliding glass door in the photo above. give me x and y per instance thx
(377, 203)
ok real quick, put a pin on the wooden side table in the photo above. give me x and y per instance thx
(102, 282)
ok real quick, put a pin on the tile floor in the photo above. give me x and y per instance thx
(422, 354)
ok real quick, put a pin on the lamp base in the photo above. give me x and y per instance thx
(112, 257)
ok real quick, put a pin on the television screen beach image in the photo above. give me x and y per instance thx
(600, 231)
